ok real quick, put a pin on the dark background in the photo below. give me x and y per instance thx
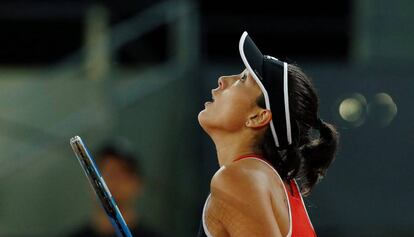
(150, 88)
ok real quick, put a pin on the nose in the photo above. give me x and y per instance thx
(220, 82)
(223, 82)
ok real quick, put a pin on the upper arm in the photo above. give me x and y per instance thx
(244, 201)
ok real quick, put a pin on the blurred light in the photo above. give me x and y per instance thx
(382, 109)
(352, 109)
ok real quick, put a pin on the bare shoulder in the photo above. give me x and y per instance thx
(249, 178)
(242, 199)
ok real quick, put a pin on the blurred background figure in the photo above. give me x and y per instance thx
(123, 175)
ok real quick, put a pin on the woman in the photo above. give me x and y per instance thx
(261, 122)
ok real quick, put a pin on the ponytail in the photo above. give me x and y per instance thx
(317, 156)
(306, 159)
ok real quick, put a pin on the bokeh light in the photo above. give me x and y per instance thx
(382, 109)
(353, 109)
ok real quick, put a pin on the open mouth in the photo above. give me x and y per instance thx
(209, 102)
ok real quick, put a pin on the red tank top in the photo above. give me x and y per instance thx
(301, 225)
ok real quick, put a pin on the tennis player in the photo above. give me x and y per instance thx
(263, 122)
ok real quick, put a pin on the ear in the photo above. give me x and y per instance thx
(260, 119)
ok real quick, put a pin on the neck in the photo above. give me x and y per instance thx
(231, 147)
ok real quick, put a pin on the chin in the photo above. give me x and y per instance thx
(204, 121)
(202, 118)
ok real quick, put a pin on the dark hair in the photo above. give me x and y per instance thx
(307, 158)
(118, 153)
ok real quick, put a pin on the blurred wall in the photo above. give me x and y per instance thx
(44, 190)
(367, 191)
